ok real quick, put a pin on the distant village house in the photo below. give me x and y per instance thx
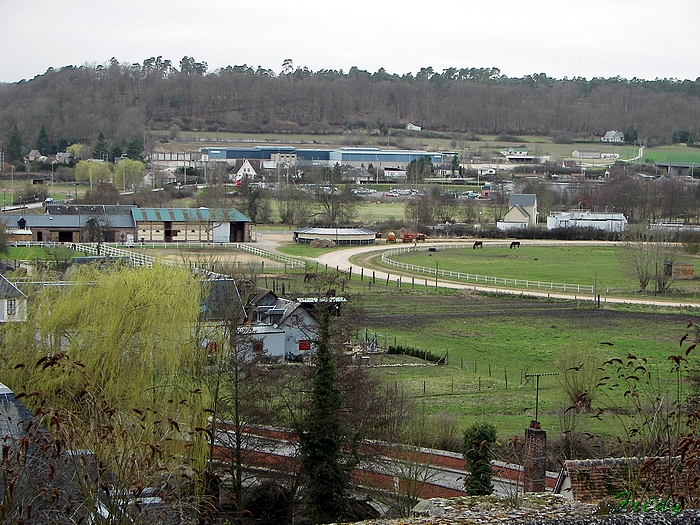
(613, 136)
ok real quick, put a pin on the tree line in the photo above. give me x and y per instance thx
(75, 103)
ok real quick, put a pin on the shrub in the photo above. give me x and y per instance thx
(415, 352)
(477, 449)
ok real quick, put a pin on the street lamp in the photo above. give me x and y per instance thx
(52, 192)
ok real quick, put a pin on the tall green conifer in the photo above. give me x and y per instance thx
(327, 480)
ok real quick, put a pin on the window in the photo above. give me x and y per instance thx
(11, 307)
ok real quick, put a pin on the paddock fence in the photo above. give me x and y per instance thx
(475, 278)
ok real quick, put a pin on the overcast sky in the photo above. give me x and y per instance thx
(562, 38)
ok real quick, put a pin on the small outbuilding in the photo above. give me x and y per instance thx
(344, 236)
(679, 270)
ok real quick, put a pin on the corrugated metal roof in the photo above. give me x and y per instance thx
(341, 232)
(187, 215)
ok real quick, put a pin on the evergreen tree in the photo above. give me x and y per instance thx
(327, 480)
(42, 141)
(14, 146)
(101, 147)
(134, 149)
(477, 452)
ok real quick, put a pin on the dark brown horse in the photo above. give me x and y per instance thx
(478, 244)
(515, 244)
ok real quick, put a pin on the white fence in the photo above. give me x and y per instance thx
(479, 279)
(141, 259)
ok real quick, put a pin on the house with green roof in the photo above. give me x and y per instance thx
(190, 225)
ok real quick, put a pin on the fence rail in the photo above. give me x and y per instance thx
(140, 259)
(479, 279)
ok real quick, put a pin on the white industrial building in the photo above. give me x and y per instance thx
(612, 222)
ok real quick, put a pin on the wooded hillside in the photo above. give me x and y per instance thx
(122, 100)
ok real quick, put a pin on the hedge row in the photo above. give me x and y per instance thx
(415, 352)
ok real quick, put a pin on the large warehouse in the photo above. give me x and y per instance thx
(379, 158)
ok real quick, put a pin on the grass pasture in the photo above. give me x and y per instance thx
(602, 266)
(493, 342)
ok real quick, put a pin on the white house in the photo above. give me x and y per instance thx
(613, 136)
(271, 315)
(13, 302)
(412, 127)
(612, 222)
(245, 169)
(522, 212)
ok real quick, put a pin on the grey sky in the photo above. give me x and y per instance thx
(588, 38)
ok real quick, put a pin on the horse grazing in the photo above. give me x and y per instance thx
(478, 244)
(310, 277)
(515, 244)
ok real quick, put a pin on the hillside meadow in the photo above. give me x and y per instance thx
(492, 342)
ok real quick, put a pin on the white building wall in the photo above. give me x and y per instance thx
(505, 226)
(612, 222)
(273, 343)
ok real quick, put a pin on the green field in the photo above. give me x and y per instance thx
(678, 153)
(604, 267)
(490, 339)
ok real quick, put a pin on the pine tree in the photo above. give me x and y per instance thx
(101, 147)
(42, 141)
(327, 480)
(134, 149)
(14, 146)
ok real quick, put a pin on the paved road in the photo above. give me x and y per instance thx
(341, 259)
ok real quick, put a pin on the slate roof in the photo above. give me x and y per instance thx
(88, 209)
(222, 297)
(522, 199)
(9, 290)
(47, 221)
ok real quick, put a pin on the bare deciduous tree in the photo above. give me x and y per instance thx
(650, 255)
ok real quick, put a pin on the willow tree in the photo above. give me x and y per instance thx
(112, 361)
(93, 172)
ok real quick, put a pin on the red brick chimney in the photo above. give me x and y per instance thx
(535, 457)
